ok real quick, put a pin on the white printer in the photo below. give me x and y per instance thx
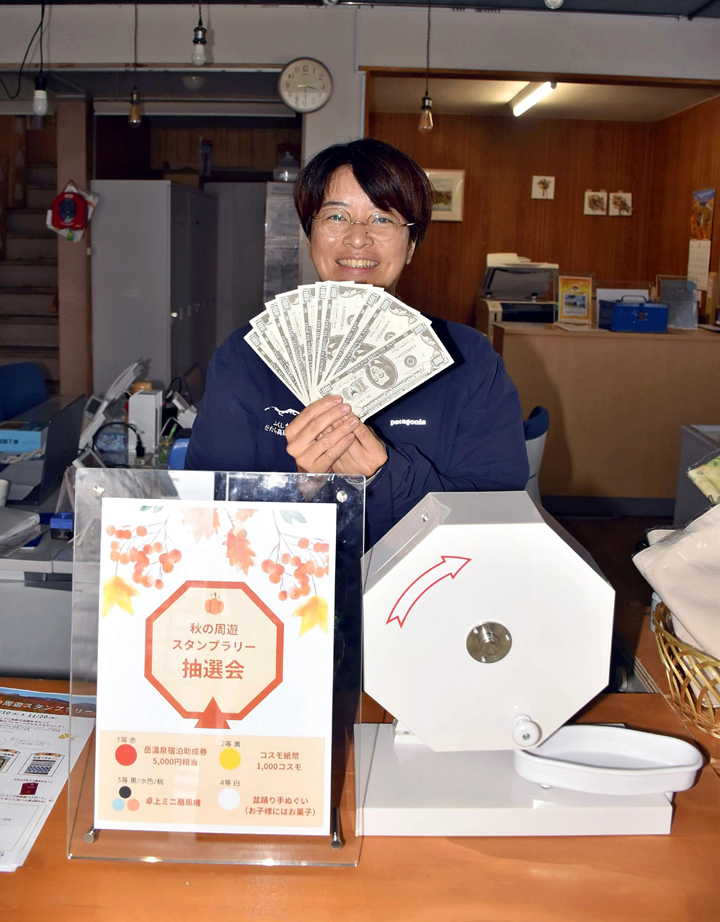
(516, 290)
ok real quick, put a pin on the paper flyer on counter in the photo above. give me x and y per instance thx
(35, 761)
(574, 299)
(215, 666)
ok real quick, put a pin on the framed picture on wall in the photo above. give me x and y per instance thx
(449, 187)
(620, 204)
(543, 187)
(595, 202)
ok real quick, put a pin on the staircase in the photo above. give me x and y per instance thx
(28, 280)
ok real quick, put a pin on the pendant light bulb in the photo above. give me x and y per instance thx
(135, 117)
(199, 41)
(198, 56)
(40, 97)
(426, 119)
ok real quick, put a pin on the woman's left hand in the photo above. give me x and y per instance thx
(366, 455)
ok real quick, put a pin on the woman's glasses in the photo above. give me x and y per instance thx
(336, 222)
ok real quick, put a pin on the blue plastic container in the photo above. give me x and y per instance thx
(633, 315)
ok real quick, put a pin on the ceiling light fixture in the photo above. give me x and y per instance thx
(199, 41)
(554, 4)
(532, 94)
(193, 82)
(135, 115)
(426, 119)
(40, 97)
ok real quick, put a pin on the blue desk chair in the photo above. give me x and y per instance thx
(176, 459)
(22, 387)
(536, 427)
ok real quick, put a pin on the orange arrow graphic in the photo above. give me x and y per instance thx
(212, 718)
(448, 566)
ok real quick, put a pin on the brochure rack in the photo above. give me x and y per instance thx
(220, 616)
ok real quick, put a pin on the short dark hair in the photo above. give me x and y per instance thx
(389, 177)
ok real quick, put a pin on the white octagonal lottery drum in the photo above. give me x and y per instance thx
(486, 626)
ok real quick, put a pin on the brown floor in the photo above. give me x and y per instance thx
(612, 542)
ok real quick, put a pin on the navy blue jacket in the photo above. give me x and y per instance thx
(460, 431)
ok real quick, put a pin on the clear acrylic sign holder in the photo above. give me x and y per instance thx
(161, 557)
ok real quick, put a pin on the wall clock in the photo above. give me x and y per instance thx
(305, 85)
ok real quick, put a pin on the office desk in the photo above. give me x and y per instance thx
(645, 879)
(616, 403)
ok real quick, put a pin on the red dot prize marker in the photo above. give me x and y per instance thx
(125, 754)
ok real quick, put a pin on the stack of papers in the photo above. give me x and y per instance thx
(15, 522)
(35, 760)
(353, 340)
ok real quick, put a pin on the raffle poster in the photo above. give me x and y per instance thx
(215, 666)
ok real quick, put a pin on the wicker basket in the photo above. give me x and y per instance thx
(693, 676)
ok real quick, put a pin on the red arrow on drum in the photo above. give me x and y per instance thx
(448, 566)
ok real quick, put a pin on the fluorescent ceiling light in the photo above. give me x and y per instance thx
(532, 93)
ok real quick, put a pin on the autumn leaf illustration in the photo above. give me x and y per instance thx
(117, 592)
(313, 612)
(242, 515)
(239, 552)
(203, 523)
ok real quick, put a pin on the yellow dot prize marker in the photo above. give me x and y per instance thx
(229, 758)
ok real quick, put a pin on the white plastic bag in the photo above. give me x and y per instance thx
(684, 569)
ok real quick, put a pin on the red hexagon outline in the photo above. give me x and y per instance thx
(190, 584)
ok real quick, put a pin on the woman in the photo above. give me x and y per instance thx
(460, 431)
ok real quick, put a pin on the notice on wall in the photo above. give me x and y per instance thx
(215, 666)
(699, 263)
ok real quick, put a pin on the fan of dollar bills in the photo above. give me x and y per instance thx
(341, 338)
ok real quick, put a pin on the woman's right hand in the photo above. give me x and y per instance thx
(321, 434)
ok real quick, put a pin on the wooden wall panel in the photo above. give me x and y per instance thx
(42, 141)
(122, 151)
(233, 148)
(500, 156)
(13, 145)
(688, 158)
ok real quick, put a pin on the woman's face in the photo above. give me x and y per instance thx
(356, 256)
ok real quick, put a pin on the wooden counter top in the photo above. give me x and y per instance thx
(646, 879)
(549, 329)
(616, 403)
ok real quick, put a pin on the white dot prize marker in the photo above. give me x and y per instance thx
(229, 799)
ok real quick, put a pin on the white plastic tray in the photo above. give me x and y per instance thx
(610, 760)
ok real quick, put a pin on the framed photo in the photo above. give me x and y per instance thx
(620, 204)
(574, 299)
(595, 202)
(543, 187)
(449, 186)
